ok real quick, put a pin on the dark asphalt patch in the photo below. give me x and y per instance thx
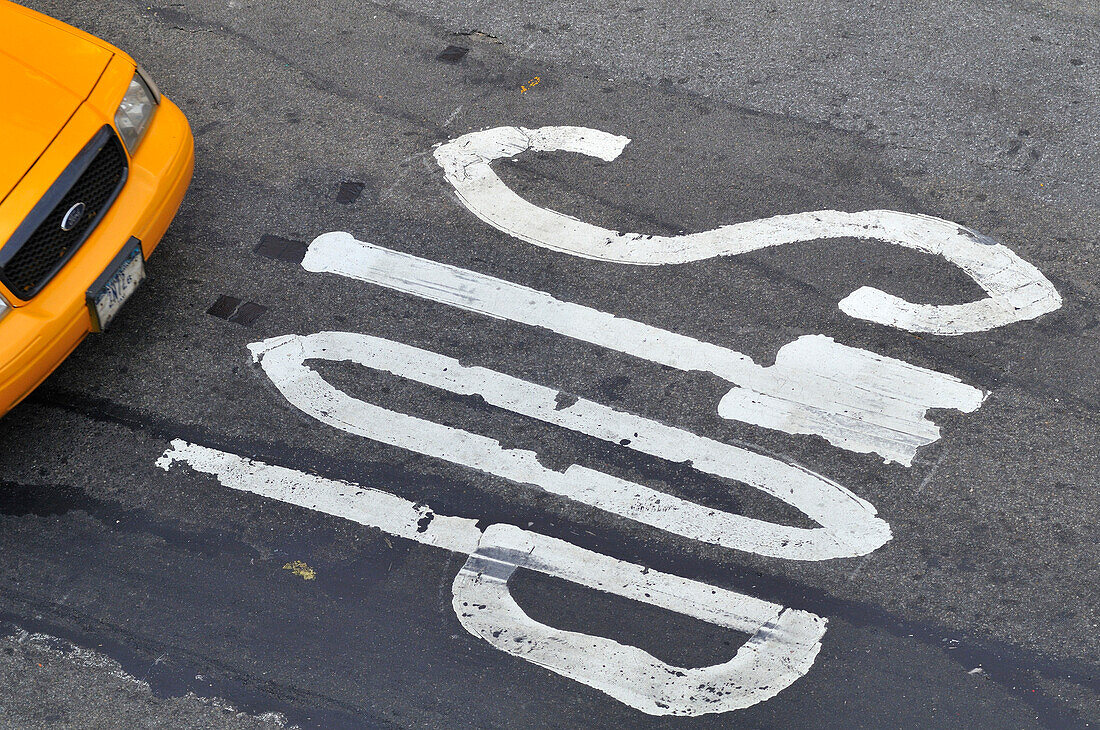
(349, 192)
(452, 54)
(282, 249)
(236, 310)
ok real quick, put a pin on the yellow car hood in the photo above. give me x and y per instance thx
(46, 72)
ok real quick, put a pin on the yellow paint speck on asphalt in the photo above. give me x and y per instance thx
(301, 570)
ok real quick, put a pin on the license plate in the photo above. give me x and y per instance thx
(111, 290)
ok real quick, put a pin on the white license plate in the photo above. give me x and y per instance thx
(114, 287)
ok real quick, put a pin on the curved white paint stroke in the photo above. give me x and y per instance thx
(783, 644)
(855, 399)
(1017, 290)
(849, 525)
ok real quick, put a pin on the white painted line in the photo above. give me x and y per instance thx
(782, 647)
(849, 526)
(371, 507)
(857, 400)
(1017, 290)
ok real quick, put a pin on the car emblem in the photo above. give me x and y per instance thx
(73, 216)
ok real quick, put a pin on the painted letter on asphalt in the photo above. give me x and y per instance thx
(1017, 290)
(849, 526)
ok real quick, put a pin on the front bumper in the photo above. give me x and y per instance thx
(37, 336)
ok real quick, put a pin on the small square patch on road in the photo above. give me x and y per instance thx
(282, 249)
(235, 310)
(349, 192)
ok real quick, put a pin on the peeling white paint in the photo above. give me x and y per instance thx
(371, 507)
(855, 399)
(1017, 290)
(782, 646)
(849, 525)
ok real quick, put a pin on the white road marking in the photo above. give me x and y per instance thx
(371, 507)
(782, 648)
(783, 644)
(855, 399)
(1017, 290)
(849, 526)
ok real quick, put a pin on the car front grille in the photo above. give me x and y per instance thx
(41, 246)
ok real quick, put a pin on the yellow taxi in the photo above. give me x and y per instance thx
(94, 164)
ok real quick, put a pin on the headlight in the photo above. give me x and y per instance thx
(4, 307)
(136, 110)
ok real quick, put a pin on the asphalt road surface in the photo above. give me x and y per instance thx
(205, 589)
